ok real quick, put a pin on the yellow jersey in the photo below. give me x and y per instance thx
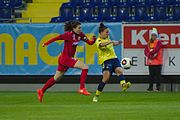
(105, 53)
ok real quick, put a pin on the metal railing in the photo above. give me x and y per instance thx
(13, 20)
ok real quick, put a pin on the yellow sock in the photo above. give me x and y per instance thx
(122, 82)
(98, 92)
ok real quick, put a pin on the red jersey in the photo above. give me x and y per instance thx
(71, 40)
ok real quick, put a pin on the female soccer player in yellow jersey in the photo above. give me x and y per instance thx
(109, 61)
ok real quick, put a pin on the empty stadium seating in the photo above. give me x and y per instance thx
(94, 10)
(5, 13)
(120, 10)
(176, 13)
(103, 13)
(160, 13)
(123, 13)
(7, 7)
(88, 13)
(10, 3)
(141, 13)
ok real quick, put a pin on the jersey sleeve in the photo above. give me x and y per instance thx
(85, 39)
(59, 37)
(98, 42)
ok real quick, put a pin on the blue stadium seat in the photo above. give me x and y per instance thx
(160, 13)
(113, 15)
(76, 12)
(150, 2)
(76, 2)
(141, 2)
(103, 13)
(5, 4)
(5, 13)
(56, 20)
(170, 13)
(176, 13)
(150, 14)
(68, 4)
(89, 2)
(123, 13)
(66, 11)
(132, 14)
(95, 13)
(172, 2)
(141, 13)
(17, 3)
(132, 2)
(10, 3)
(156, 2)
(177, 2)
(86, 13)
(161, 2)
(100, 2)
(118, 2)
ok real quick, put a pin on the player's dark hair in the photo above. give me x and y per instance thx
(75, 24)
(70, 25)
(102, 27)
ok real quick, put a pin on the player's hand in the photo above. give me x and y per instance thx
(43, 45)
(94, 38)
(117, 43)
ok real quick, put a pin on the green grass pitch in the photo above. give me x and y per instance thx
(73, 106)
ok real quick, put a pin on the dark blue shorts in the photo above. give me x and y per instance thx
(111, 65)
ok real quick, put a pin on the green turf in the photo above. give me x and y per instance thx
(72, 106)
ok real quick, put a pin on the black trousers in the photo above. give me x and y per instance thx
(155, 75)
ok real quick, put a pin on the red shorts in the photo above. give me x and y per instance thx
(64, 63)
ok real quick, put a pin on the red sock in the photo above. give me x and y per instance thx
(48, 84)
(83, 78)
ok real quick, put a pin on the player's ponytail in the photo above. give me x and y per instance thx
(70, 25)
(102, 27)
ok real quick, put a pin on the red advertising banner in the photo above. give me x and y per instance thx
(136, 36)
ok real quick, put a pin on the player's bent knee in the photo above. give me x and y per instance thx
(119, 72)
(58, 75)
(85, 67)
(105, 80)
(56, 78)
(106, 77)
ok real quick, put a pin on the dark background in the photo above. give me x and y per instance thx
(71, 79)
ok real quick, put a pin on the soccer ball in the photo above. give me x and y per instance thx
(126, 63)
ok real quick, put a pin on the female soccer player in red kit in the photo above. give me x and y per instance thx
(71, 38)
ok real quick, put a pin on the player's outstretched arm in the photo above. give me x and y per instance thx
(85, 39)
(115, 43)
(103, 44)
(59, 37)
(91, 42)
(51, 40)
